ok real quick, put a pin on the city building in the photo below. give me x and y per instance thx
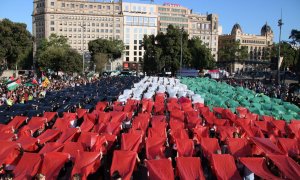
(79, 20)
(206, 28)
(139, 20)
(84, 20)
(258, 47)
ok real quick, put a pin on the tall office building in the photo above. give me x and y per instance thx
(139, 20)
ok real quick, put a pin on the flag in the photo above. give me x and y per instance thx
(14, 85)
(46, 82)
(33, 82)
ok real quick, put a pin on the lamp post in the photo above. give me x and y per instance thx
(280, 23)
(181, 51)
(83, 28)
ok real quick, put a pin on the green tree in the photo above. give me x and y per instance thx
(201, 55)
(232, 51)
(152, 63)
(54, 53)
(103, 50)
(15, 42)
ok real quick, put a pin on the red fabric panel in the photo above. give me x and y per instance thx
(189, 168)
(118, 116)
(49, 115)
(209, 146)
(118, 108)
(104, 117)
(52, 164)
(294, 121)
(48, 135)
(200, 132)
(158, 131)
(100, 145)
(281, 126)
(68, 134)
(160, 169)
(179, 134)
(87, 124)
(88, 139)
(100, 128)
(131, 141)
(242, 112)
(61, 124)
(86, 163)
(160, 97)
(227, 114)
(9, 152)
(124, 162)
(185, 147)
(147, 105)
(266, 145)
(36, 123)
(220, 122)
(113, 128)
(158, 124)
(239, 147)
(268, 118)
(140, 123)
(258, 166)
(226, 132)
(25, 131)
(218, 110)
(250, 131)
(175, 124)
(72, 148)
(289, 146)
(110, 139)
(69, 116)
(28, 143)
(252, 116)
(52, 147)
(81, 112)
(161, 118)
(265, 126)
(184, 100)
(155, 147)
(159, 108)
(294, 129)
(187, 107)
(199, 106)
(224, 167)
(173, 107)
(7, 136)
(17, 121)
(101, 106)
(172, 100)
(28, 166)
(209, 117)
(177, 115)
(286, 165)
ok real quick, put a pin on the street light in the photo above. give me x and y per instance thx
(83, 28)
(181, 51)
(280, 23)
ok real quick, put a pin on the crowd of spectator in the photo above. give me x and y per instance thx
(283, 91)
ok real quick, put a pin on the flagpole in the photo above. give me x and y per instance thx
(280, 23)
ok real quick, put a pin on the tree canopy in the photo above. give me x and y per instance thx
(103, 50)
(231, 51)
(163, 52)
(54, 53)
(15, 43)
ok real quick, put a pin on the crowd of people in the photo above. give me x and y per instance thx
(282, 91)
(28, 91)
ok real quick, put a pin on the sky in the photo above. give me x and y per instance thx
(250, 14)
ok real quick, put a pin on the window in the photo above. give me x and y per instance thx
(135, 48)
(127, 53)
(72, 6)
(52, 16)
(127, 59)
(135, 59)
(140, 53)
(52, 3)
(134, 53)
(91, 6)
(52, 22)
(81, 5)
(99, 6)
(140, 47)
(63, 4)
(135, 41)
(108, 7)
(52, 28)
(117, 7)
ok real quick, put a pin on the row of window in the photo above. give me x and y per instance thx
(138, 9)
(134, 59)
(141, 21)
(253, 42)
(86, 24)
(172, 10)
(176, 19)
(89, 18)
